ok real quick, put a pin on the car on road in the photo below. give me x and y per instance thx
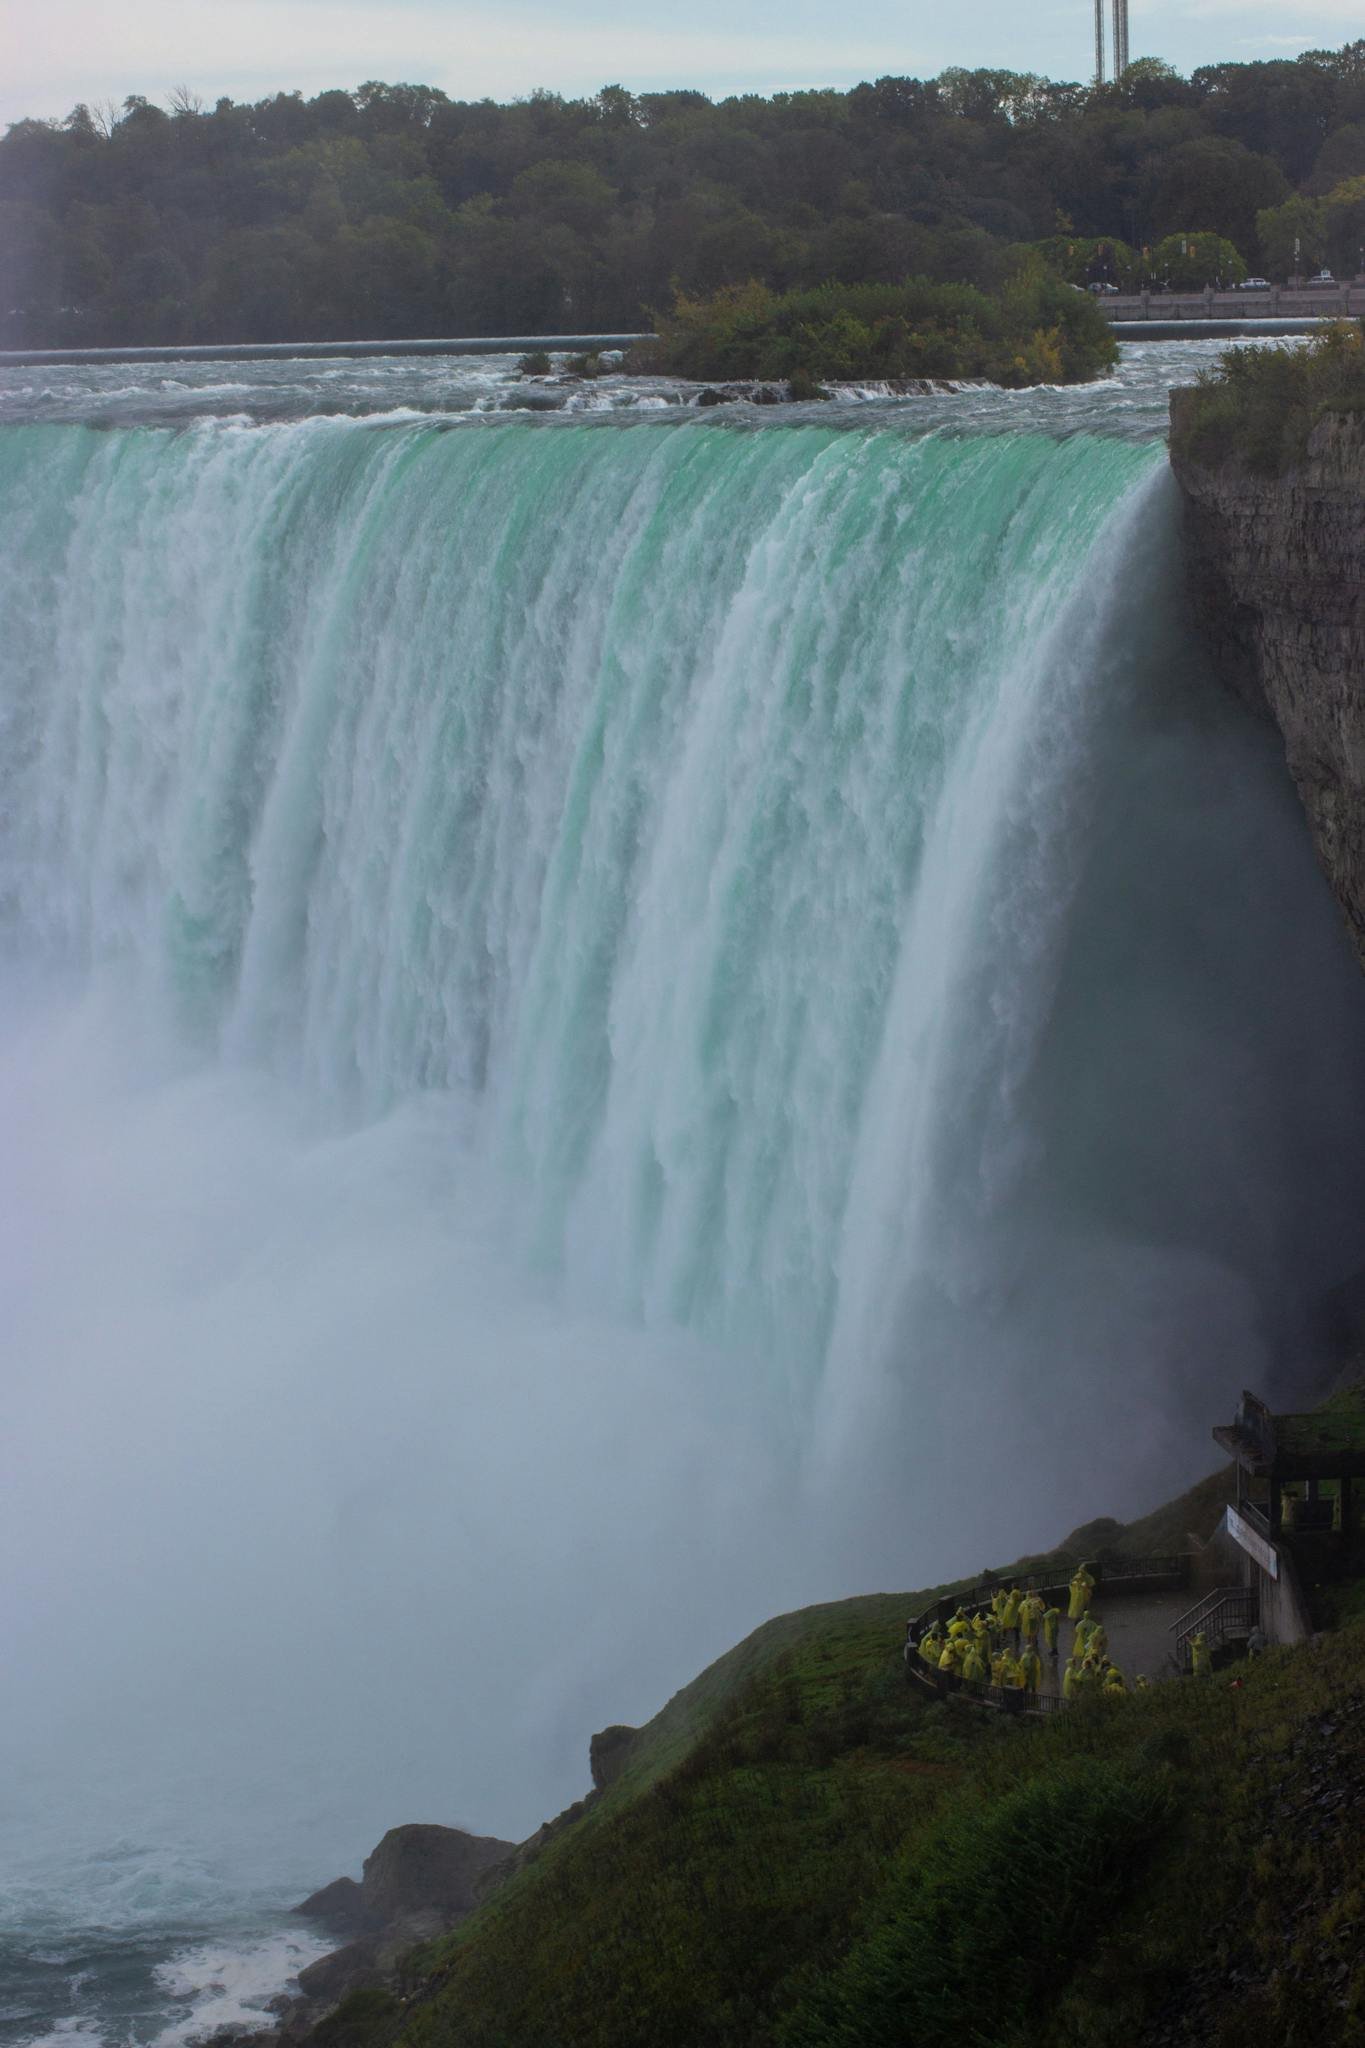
(1253, 284)
(1321, 279)
(1101, 289)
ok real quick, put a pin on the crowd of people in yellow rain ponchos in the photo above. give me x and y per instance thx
(1004, 1641)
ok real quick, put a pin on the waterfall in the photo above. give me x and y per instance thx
(790, 892)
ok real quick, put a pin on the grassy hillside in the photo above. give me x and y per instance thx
(805, 1853)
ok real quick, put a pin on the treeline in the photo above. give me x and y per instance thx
(394, 210)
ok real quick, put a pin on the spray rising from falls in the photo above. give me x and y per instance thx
(699, 1017)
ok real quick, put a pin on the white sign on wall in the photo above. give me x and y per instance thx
(1255, 1546)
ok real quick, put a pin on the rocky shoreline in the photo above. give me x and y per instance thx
(418, 1883)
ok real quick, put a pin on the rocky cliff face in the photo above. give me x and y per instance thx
(1277, 577)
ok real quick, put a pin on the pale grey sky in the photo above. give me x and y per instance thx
(55, 52)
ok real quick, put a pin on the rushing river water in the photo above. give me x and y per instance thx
(615, 1018)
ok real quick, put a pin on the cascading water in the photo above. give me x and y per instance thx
(609, 1027)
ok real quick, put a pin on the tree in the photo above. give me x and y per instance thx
(1093, 259)
(1291, 237)
(572, 193)
(1188, 262)
(1342, 156)
(1211, 184)
(1344, 227)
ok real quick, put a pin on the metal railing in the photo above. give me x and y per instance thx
(1226, 1613)
(1123, 1577)
(1010, 1699)
(1117, 1577)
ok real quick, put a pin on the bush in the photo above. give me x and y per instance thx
(536, 364)
(1037, 330)
(986, 1924)
(1259, 405)
(362, 2020)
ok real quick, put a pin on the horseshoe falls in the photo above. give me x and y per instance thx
(609, 1026)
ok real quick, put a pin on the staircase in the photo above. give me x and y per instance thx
(1226, 1615)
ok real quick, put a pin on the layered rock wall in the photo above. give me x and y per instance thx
(1277, 579)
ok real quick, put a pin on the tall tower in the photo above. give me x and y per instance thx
(1099, 40)
(1120, 37)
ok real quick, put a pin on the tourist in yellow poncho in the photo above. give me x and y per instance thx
(973, 1670)
(1052, 1621)
(1082, 1586)
(1201, 1657)
(1030, 1616)
(1031, 1667)
(931, 1649)
(998, 1663)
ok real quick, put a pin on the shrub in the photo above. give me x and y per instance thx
(1036, 330)
(1259, 405)
(536, 364)
(987, 1922)
(362, 2020)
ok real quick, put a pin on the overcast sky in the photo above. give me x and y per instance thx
(55, 52)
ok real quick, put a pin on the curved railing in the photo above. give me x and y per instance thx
(1115, 1578)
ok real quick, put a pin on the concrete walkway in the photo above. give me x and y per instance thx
(1140, 1636)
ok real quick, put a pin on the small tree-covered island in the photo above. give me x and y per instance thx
(1036, 330)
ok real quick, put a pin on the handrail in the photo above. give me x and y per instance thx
(1233, 1607)
(1121, 1574)
(1013, 1699)
(1195, 1614)
(1116, 1572)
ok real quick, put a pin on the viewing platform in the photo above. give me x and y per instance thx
(1144, 1600)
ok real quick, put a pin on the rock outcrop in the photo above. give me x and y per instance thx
(1277, 579)
(427, 1873)
(420, 1878)
(609, 1752)
(416, 1884)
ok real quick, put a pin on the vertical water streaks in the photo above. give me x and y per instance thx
(671, 1020)
(706, 807)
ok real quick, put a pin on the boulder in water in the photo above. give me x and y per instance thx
(339, 1905)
